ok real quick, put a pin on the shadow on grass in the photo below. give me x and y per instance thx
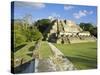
(31, 51)
(27, 67)
(87, 57)
(31, 48)
(94, 48)
(82, 63)
(30, 54)
(19, 47)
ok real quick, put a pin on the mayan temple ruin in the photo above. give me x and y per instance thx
(67, 31)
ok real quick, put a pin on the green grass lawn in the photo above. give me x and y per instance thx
(82, 55)
(45, 51)
(24, 53)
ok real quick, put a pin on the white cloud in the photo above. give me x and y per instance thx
(27, 4)
(50, 17)
(82, 13)
(68, 7)
(54, 15)
(38, 5)
(91, 12)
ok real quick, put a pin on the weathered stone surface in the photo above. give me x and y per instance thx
(57, 62)
(62, 30)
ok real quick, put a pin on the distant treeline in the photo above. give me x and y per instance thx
(89, 27)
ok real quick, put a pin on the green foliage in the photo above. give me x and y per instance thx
(25, 33)
(86, 26)
(89, 27)
(94, 31)
(18, 39)
(18, 36)
(43, 26)
(34, 34)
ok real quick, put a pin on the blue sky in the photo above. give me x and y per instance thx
(75, 13)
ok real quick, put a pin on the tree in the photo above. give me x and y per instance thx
(89, 27)
(94, 31)
(86, 26)
(23, 34)
(42, 25)
(34, 34)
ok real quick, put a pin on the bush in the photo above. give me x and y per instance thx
(89, 27)
(25, 33)
(18, 39)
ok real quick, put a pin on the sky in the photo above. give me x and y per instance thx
(76, 13)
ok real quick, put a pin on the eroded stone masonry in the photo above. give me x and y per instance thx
(67, 31)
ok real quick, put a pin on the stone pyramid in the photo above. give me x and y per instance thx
(61, 31)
